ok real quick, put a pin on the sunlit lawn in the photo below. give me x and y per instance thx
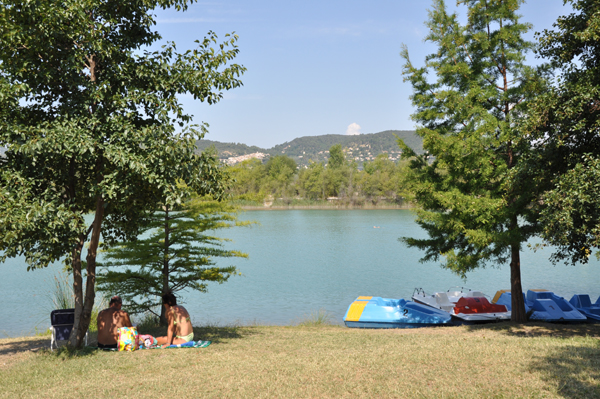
(502, 360)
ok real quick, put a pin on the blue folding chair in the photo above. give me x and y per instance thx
(62, 321)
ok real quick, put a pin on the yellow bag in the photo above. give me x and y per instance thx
(128, 339)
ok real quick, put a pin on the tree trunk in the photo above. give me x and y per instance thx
(165, 271)
(518, 314)
(83, 311)
(77, 283)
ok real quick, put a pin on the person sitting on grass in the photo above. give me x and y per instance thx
(179, 328)
(109, 320)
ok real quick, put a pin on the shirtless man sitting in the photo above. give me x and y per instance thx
(109, 320)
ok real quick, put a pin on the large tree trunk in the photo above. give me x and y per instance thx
(518, 314)
(83, 308)
(77, 282)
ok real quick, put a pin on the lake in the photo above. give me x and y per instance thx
(302, 261)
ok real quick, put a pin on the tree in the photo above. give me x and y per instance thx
(381, 178)
(88, 120)
(248, 179)
(468, 206)
(565, 126)
(338, 175)
(281, 169)
(312, 182)
(337, 159)
(179, 253)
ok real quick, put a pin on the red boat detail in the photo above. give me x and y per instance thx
(466, 305)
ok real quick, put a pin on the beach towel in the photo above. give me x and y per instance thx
(191, 344)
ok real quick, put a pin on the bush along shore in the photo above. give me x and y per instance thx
(283, 204)
(317, 359)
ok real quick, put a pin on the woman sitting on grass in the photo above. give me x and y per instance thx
(179, 330)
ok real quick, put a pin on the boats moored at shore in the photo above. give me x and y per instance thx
(584, 305)
(465, 306)
(546, 306)
(377, 312)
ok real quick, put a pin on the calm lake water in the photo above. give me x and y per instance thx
(302, 261)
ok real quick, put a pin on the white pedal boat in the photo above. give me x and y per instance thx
(463, 305)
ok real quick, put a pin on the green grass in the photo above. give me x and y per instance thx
(499, 361)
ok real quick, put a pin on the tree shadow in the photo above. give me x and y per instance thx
(539, 329)
(221, 334)
(14, 346)
(215, 334)
(575, 369)
(18, 346)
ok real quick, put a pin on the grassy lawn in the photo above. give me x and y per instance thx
(498, 361)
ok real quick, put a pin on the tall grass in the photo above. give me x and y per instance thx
(63, 297)
(317, 319)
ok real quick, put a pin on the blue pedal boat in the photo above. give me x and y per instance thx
(377, 312)
(545, 306)
(585, 306)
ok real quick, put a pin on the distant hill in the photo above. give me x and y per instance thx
(363, 147)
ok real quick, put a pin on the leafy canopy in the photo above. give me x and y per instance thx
(467, 113)
(88, 116)
(565, 124)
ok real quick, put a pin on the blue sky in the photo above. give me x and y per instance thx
(316, 67)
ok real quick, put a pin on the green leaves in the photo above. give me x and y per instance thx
(468, 97)
(73, 94)
(89, 127)
(565, 125)
(176, 251)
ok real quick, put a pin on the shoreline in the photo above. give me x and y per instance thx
(323, 207)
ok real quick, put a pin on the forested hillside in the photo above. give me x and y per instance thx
(359, 148)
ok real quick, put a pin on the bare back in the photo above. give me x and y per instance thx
(108, 321)
(181, 320)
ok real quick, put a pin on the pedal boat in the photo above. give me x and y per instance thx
(542, 305)
(466, 307)
(377, 312)
(584, 305)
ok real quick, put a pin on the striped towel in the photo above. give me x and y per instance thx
(191, 344)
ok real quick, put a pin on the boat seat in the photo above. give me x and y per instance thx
(532, 295)
(443, 301)
(585, 301)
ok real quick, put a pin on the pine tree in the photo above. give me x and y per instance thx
(467, 118)
(177, 251)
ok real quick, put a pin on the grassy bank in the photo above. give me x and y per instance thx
(500, 361)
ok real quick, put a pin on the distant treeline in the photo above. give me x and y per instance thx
(340, 179)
